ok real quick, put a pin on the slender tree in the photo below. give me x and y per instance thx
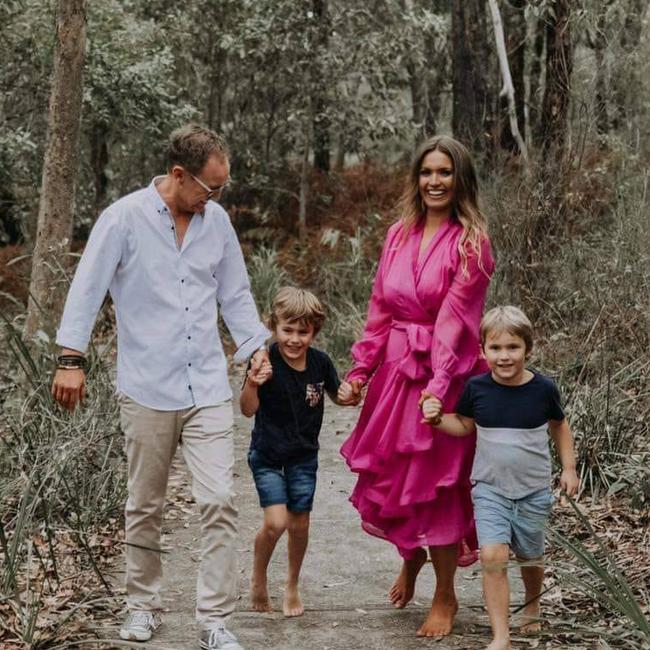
(514, 22)
(559, 65)
(55, 218)
(473, 105)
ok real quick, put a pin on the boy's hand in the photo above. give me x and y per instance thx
(569, 481)
(259, 375)
(347, 396)
(431, 408)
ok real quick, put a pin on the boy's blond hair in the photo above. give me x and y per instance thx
(507, 318)
(293, 304)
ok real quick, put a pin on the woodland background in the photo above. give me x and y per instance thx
(322, 103)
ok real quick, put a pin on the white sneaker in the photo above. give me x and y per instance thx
(139, 625)
(219, 638)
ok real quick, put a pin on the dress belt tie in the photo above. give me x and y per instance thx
(416, 363)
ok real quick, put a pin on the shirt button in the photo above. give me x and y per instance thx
(189, 337)
(189, 387)
(182, 280)
(190, 363)
(187, 308)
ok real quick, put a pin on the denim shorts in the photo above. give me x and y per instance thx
(520, 523)
(292, 484)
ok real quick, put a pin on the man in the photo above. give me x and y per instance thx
(168, 255)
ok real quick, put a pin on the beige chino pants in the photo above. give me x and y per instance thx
(206, 439)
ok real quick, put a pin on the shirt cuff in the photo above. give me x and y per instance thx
(251, 345)
(357, 374)
(72, 340)
(439, 385)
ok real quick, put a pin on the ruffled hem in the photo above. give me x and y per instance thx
(413, 487)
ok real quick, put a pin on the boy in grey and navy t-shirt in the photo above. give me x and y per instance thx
(513, 410)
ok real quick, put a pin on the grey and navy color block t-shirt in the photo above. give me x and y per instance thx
(512, 453)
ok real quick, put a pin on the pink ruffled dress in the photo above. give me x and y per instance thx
(422, 333)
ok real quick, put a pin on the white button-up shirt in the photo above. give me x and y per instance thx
(170, 355)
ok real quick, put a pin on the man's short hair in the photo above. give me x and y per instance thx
(507, 318)
(191, 145)
(297, 305)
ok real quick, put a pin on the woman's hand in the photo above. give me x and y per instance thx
(431, 408)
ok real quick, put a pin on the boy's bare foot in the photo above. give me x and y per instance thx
(499, 645)
(441, 617)
(259, 598)
(530, 623)
(404, 587)
(292, 604)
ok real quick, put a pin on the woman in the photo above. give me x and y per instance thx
(422, 338)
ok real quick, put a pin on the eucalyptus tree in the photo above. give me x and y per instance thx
(55, 216)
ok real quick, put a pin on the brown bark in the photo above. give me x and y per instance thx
(559, 64)
(626, 82)
(99, 159)
(55, 218)
(473, 103)
(536, 76)
(319, 84)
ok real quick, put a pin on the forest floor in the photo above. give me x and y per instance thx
(346, 574)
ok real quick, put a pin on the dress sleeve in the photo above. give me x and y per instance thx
(456, 334)
(368, 351)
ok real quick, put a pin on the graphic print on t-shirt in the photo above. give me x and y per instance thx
(314, 393)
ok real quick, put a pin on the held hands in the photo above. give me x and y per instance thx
(349, 393)
(259, 374)
(431, 408)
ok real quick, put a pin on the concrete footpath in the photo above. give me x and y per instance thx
(346, 574)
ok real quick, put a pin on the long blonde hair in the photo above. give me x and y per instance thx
(465, 208)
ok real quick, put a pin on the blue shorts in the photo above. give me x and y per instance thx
(292, 484)
(520, 523)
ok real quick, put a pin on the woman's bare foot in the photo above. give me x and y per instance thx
(404, 587)
(259, 598)
(441, 617)
(292, 604)
(499, 645)
(530, 623)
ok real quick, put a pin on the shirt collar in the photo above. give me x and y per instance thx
(159, 204)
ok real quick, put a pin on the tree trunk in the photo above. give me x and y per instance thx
(514, 21)
(55, 218)
(472, 118)
(559, 64)
(99, 158)
(304, 190)
(626, 83)
(536, 90)
(319, 85)
(508, 88)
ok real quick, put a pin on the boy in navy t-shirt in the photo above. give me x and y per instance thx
(286, 396)
(512, 409)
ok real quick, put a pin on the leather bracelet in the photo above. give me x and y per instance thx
(71, 362)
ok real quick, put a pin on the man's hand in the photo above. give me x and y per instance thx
(261, 356)
(569, 481)
(69, 387)
(260, 375)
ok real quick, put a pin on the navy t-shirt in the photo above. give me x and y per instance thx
(290, 415)
(512, 453)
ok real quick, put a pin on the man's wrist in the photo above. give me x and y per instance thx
(71, 362)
